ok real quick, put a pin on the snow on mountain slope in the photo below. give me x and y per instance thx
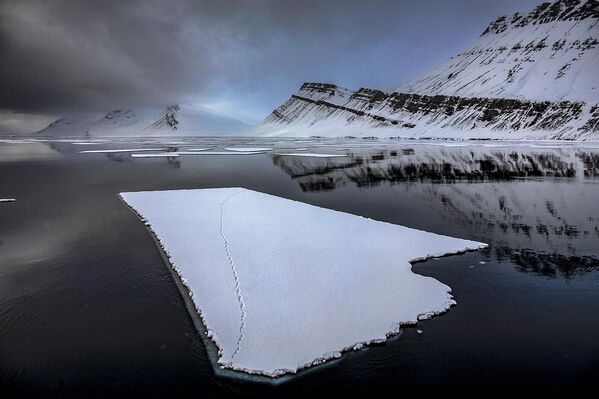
(529, 76)
(174, 120)
(326, 110)
(550, 53)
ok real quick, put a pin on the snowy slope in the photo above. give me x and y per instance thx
(327, 110)
(174, 120)
(550, 53)
(529, 76)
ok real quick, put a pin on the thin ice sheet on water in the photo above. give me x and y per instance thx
(156, 155)
(121, 150)
(7, 200)
(248, 149)
(311, 155)
(177, 153)
(282, 285)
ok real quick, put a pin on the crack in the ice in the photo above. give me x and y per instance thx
(235, 276)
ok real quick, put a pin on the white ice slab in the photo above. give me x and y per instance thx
(121, 150)
(311, 155)
(282, 285)
(7, 200)
(177, 153)
(248, 149)
(156, 155)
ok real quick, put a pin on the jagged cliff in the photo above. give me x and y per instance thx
(327, 110)
(528, 76)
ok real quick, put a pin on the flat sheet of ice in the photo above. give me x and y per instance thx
(313, 155)
(7, 200)
(248, 149)
(177, 153)
(281, 284)
(121, 150)
(156, 155)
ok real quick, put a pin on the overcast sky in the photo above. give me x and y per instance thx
(237, 58)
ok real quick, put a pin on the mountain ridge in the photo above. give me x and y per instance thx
(528, 76)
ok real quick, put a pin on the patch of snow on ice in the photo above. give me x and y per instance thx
(281, 285)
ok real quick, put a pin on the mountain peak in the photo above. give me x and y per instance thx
(562, 10)
(547, 54)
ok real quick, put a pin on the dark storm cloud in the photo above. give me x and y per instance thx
(240, 57)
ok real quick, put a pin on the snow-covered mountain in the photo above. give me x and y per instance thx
(174, 120)
(550, 53)
(529, 76)
(320, 109)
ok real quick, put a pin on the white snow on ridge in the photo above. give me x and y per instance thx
(553, 60)
(282, 285)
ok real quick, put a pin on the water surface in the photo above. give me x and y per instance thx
(87, 305)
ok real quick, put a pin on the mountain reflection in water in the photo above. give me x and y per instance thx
(537, 205)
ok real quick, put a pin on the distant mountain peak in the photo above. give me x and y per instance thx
(172, 120)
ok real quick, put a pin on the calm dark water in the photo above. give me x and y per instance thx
(88, 307)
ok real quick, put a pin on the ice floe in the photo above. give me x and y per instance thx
(156, 155)
(7, 200)
(248, 149)
(281, 284)
(177, 153)
(310, 154)
(121, 150)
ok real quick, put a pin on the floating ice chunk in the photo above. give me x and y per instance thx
(156, 155)
(7, 200)
(177, 153)
(197, 149)
(248, 149)
(282, 285)
(301, 149)
(121, 150)
(312, 155)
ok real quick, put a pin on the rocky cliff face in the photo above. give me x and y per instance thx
(528, 76)
(325, 109)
